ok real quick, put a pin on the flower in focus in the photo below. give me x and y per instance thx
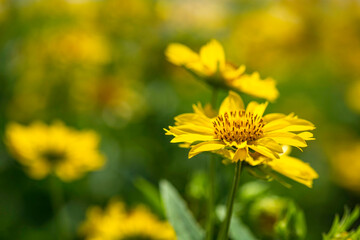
(248, 135)
(210, 64)
(293, 168)
(116, 223)
(44, 149)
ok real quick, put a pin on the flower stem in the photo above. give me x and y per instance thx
(212, 176)
(214, 98)
(225, 230)
(211, 198)
(60, 214)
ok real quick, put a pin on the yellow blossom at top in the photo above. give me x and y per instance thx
(115, 223)
(211, 65)
(246, 134)
(57, 149)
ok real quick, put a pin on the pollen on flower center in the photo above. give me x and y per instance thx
(238, 126)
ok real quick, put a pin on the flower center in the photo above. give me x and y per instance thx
(136, 238)
(53, 157)
(238, 126)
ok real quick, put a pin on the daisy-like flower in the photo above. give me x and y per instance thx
(43, 150)
(240, 134)
(115, 223)
(210, 64)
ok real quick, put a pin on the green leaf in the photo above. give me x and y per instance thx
(292, 225)
(151, 194)
(300, 224)
(178, 214)
(340, 229)
(238, 231)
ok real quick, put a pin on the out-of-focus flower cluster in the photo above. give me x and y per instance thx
(54, 149)
(116, 223)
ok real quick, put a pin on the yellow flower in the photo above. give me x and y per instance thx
(210, 64)
(115, 223)
(345, 165)
(352, 96)
(293, 168)
(43, 149)
(241, 134)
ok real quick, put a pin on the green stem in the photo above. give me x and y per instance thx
(211, 198)
(212, 176)
(60, 215)
(214, 97)
(225, 231)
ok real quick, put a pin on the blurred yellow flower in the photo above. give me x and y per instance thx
(345, 164)
(209, 14)
(113, 95)
(271, 37)
(346, 57)
(241, 134)
(352, 96)
(115, 223)
(44, 149)
(77, 46)
(210, 64)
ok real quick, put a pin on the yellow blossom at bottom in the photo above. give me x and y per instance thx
(44, 149)
(115, 223)
(246, 134)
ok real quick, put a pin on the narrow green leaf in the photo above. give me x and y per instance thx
(151, 193)
(300, 224)
(341, 227)
(238, 231)
(178, 214)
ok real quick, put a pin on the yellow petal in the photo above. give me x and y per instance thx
(276, 125)
(255, 86)
(273, 116)
(212, 56)
(295, 169)
(229, 154)
(191, 128)
(232, 102)
(39, 169)
(287, 138)
(231, 72)
(172, 131)
(193, 118)
(205, 147)
(206, 111)
(255, 162)
(240, 154)
(287, 123)
(190, 138)
(256, 108)
(270, 144)
(306, 136)
(180, 54)
(264, 151)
